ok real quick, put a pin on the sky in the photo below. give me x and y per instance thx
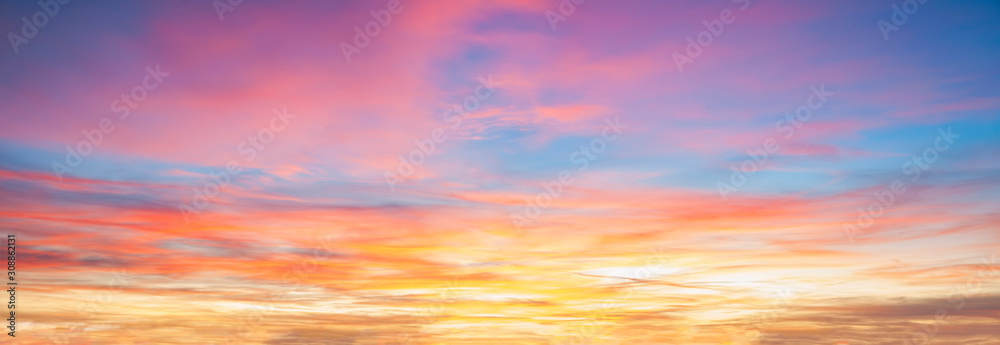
(502, 172)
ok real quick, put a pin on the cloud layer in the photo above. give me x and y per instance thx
(503, 172)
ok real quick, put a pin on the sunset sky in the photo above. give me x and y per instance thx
(502, 171)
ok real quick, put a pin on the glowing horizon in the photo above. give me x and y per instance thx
(502, 172)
